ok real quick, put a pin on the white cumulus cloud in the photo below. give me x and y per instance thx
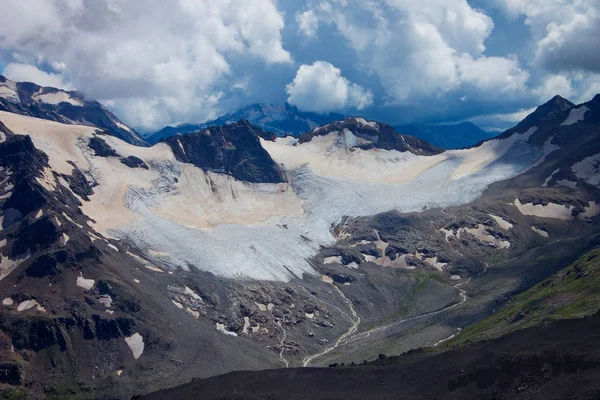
(320, 87)
(422, 49)
(157, 61)
(29, 73)
(565, 32)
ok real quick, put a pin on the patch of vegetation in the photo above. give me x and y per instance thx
(573, 292)
(67, 390)
(14, 394)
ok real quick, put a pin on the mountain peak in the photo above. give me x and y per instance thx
(356, 132)
(69, 107)
(555, 107)
(558, 102)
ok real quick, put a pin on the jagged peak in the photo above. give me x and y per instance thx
(559, 102)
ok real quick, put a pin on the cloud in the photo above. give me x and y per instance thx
(320, 87)
(500, 122)
(554, 85)
(29, 73)
(421, 50)
(308, 23)
(157, 62)
(565, 32)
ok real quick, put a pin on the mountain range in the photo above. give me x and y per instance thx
(282, 120)
(127, 268)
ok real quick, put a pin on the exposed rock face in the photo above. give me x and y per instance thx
(233, 149)
(370, 134)
(27, 98)
(21, 164)
(134, 162)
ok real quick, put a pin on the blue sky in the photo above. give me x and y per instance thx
(156, 63)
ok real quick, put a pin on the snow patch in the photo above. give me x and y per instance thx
(178, 304)
(106, 300)
(590, 211)
(588, 169)
(28, 304)
(481, 233)
(7, 301)
(123, 126)
(64, 238)
(548, 179)
(8, 91)
(502, 223)
(85, 284)
(333, 260)
(9, 264)
(540, 232)
(193, 294)
(363, 122)
(551, 210)
(576, 115)
(153, 268)
(57, 98)
(112, 246)
(221, 328)
(546, 150)
(136, 344)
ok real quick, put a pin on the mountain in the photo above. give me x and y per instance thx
(451, 136)
(283, 120)
(232, 149)
(127, 269)
(362, 134)
(53, 104)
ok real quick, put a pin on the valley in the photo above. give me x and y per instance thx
(129, 268)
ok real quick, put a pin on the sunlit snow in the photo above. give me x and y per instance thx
(182, 217)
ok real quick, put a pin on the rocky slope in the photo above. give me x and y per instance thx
(557, 361)
(573, 292)
(27, 98)
(127, 269)
(283, 120)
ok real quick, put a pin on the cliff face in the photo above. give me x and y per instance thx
(233, 149)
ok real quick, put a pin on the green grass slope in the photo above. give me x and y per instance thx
(573, 292)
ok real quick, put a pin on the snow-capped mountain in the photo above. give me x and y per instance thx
(231, 248)
(358, 133)
(27, 98)
(282, 120)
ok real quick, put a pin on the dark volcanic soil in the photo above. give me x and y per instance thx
(557, 361)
